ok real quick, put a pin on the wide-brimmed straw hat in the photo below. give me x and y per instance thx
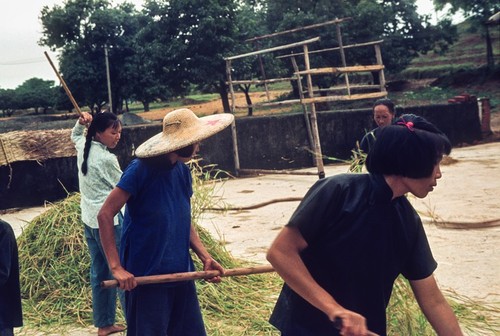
(182, 128)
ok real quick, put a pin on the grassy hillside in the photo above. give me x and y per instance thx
(434, 78)
(468, 53)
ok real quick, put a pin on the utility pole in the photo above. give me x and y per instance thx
(108, 78)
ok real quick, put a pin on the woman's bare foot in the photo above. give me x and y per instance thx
(112, 329)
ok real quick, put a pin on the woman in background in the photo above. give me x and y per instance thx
(98, 173)
(383, 115)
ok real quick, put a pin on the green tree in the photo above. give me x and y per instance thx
(479, 11)
(211, 32)
(143, 80)
(193, 38)
(7, 101)
(250, 23)
(61, 101)
(81, 30)
(159, 70)
(36, 93)
(405, 33)
(84, 73)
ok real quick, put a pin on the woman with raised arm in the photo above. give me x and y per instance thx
(98, 173)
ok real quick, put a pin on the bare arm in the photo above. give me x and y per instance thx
(208, 262)
(284, 255)
(435, 307)
(114, 202)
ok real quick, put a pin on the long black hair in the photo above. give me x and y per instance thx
(410, 147)
(100, 123)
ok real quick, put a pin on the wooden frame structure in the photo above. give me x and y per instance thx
(307, 97)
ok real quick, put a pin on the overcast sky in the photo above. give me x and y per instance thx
(21, 58)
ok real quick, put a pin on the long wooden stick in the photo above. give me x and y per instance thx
(163, 278)
(63, 83)
(338, 324)
(336, 21)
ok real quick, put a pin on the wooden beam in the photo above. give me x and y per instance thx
(332, 70)
(317, 25)
(316, 149)
(356, 45)
(234, 133)
(358, 96)
(279, 172)
(343, 87)
(270, 104)
(261, 81)
(378, 55)
(263, 51)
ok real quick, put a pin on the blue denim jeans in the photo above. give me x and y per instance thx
(103, 300)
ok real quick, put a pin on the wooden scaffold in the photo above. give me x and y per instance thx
(307, 97)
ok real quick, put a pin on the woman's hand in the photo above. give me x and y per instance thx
(210, 264)
(126, 280)
(85, 119)
(350, 323)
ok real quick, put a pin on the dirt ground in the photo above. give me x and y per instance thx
(215, 106)
(461, 216)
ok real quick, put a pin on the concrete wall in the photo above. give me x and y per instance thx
(273, 142)
(280, 142)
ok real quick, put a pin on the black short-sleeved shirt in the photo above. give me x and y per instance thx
(359, 241)
(10, 293)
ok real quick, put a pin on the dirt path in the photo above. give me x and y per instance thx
(215, 106)
(466, 195)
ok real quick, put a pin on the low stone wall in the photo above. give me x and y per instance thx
(281, 141)
(273, 142)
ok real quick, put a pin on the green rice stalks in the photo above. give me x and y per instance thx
(54, 262)
(404, 316)
(356, 161)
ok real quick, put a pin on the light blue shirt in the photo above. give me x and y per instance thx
(103, 174)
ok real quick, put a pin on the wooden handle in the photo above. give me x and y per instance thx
(163, 278)
(338, 325)
(63, 83)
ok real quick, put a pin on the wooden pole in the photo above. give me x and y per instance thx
(318, 156)
(234, 134)
(262, 71)
(108, 78)
(356, 45)
(342, 56)
(304, 106)
(63, 83)
(282, 47)
(378, 55)
(174, 277)
(317, 25)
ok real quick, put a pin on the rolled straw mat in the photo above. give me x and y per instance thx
(35, 145)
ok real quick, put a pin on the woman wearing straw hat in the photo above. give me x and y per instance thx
(157, 230)
(98, 173)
